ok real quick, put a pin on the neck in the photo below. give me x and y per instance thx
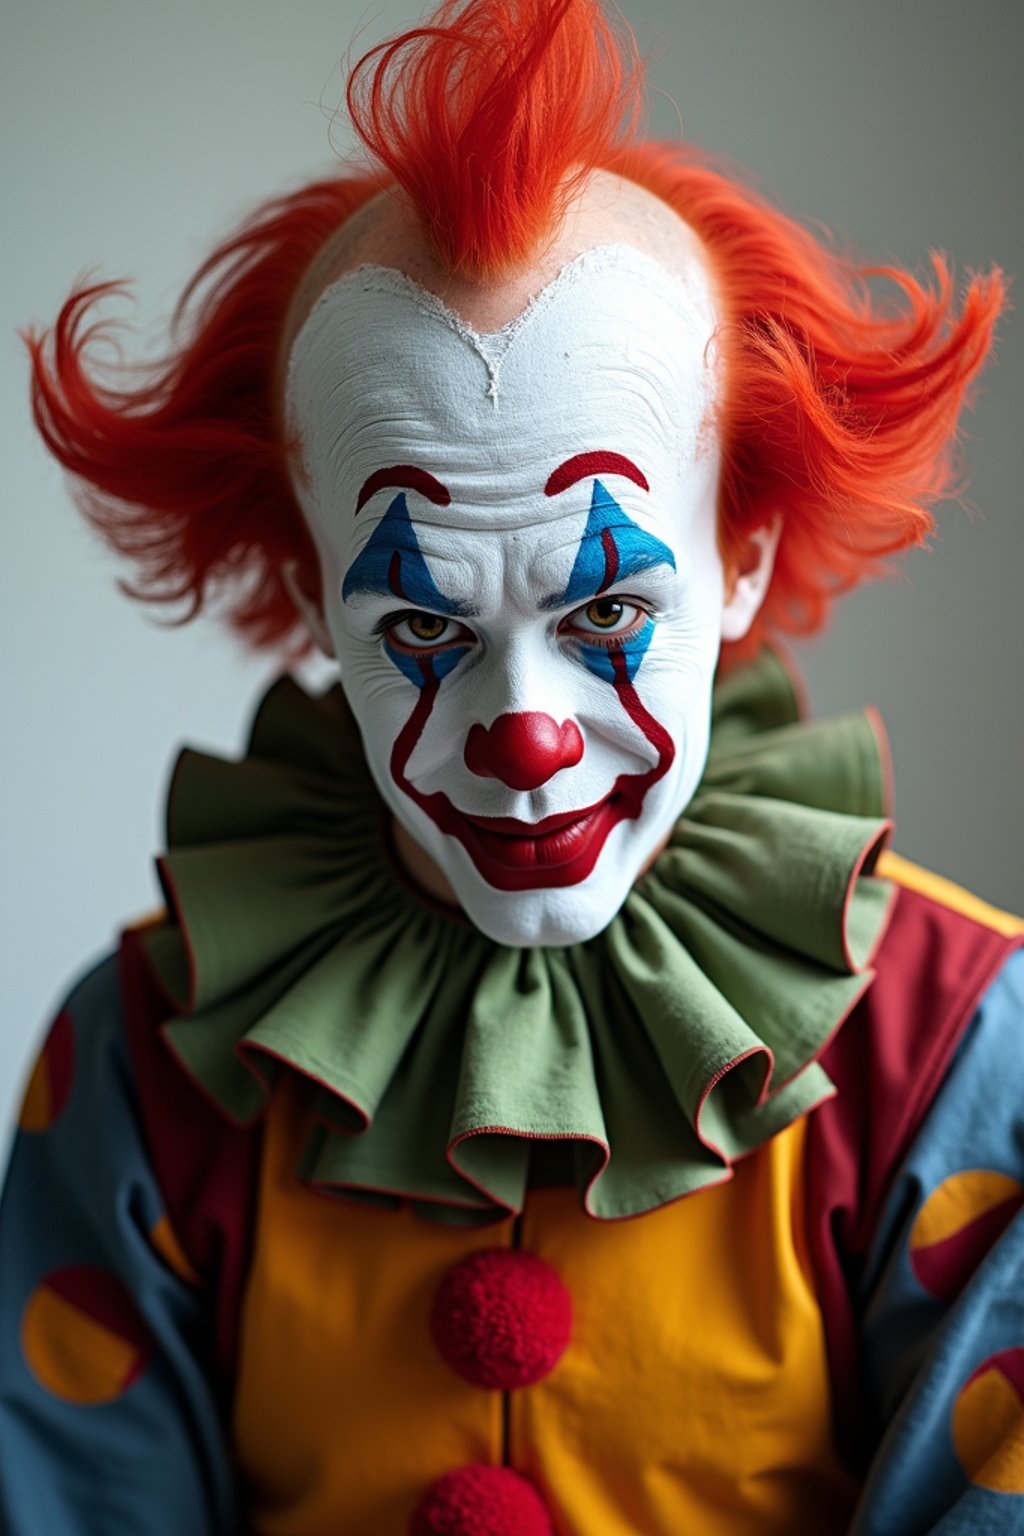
(422, 870)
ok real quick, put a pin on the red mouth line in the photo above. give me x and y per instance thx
(508, 826)
(526, 858)
(557, 851)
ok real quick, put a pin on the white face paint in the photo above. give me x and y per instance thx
(521, 575)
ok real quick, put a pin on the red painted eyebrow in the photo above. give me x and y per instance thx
(583, 466)
(407, 478)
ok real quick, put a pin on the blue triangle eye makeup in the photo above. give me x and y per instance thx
(392, 565)
(613, 548)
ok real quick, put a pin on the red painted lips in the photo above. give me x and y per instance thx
(560, 850)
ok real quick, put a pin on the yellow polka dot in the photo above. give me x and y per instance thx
(71, 1355)
(49, 1087)
(35, 1108)
(958, 1201)
(165, 1241)
(988, 1431)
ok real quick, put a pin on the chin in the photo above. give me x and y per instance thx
(564, 894)
(543, 918)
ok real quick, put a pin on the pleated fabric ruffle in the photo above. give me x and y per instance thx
(676, 1041)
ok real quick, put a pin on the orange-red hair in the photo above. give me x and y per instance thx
(840, 412)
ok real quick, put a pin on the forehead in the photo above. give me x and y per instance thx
(615, 356)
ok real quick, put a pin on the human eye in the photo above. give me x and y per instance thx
(419, 630)
(604, 621)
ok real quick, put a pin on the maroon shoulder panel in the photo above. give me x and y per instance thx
(887, 1063)
(206, 1167)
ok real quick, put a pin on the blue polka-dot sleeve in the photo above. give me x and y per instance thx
(109, 1420)
(943, 1326)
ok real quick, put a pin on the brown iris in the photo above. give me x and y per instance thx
(603, 614)
(426, 626)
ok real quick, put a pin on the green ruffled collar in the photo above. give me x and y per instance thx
(683, 1036)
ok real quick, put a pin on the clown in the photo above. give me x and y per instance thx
(545, 1105)
(563, 654)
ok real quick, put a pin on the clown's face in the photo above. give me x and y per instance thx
(521, 575)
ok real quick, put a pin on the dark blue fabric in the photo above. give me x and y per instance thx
(151, 1461)
(921, 1348)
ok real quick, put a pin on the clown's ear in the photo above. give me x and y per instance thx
(748, 582)
(309, 604)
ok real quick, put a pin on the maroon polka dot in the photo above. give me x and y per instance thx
(1009, 1363)
(49, 1087)
(82, 1336)
(987, 1423)
(99, 1295)
(958, 1224)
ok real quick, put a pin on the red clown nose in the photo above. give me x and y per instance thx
(523, 750)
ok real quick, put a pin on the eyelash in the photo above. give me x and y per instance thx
(608, 639)
(385, 627)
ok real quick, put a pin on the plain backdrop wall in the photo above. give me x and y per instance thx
(134, 134)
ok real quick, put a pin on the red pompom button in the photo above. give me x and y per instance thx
(481, 1501)
(501, 1319)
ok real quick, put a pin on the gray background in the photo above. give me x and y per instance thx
(135, 133)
